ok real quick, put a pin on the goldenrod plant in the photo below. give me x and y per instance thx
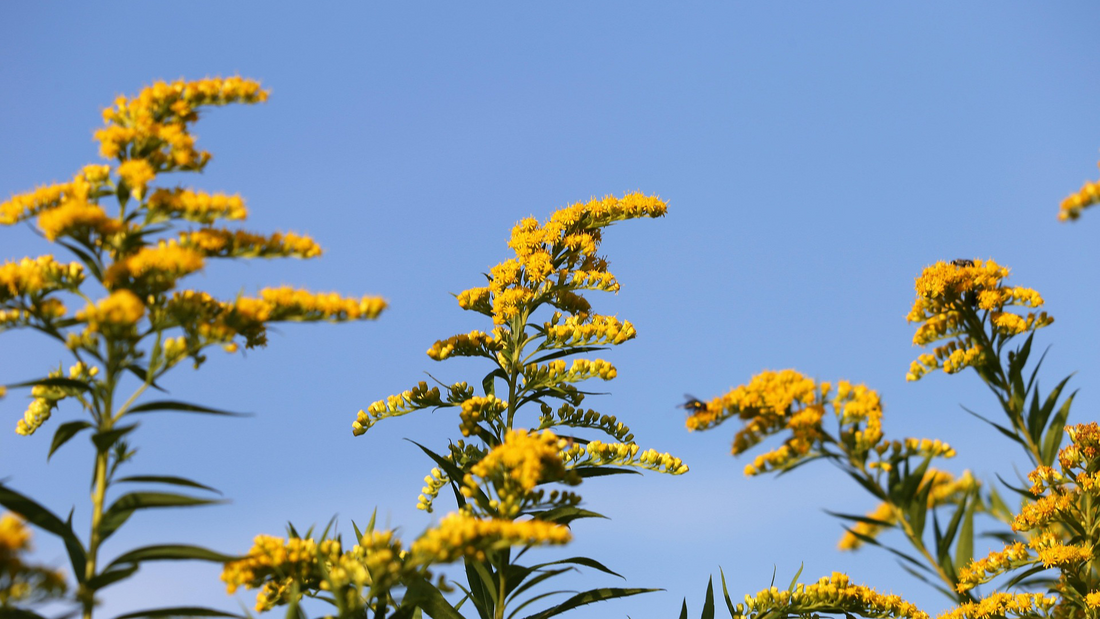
(120, 312)
(970, 317)
(524, 440)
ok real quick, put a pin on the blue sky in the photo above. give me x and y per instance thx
(815, 156)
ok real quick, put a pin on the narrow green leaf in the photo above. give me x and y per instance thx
(874, 542)
(182, 407)
(121, 510)
(565, 514)
(61, 383)
(864, 519)
(588, 597)
(110, 576)
(684, 610)
(1056, 431)
(964, 550)
(944, 545)
(1020, 491)
(868, 485)
(44, 519)
(479, 597)
(65, 432)
(794, 581)
(488, 581)
(452, 471)
(515, 592)
(489, 382)
(565, 352)
(19, 613)
(169, 479)
(85, 257)
(1003, 430)
(938, 587)
(585, 561)
(1015, 580)
(104, 440)
(171, 552)
(179, 611)
(726, 594)
(585, 472)
(708, 601)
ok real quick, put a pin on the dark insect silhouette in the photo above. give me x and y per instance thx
(693, 404)
(963, 262)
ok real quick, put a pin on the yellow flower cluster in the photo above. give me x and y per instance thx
(556, 372)
(859, 411)
(1073, 204)
(153, 126)
(568, 415)
(764, 401)
(274, 564)
(78, 219)
(460, 535)
(240, 244)
(835, 594)
(433, 483)
(949, 297)
(1093, 599)
(20, 582)
(598, 453)
(472, 344)
(1001, 605)
(514, 467)
(155, 268)
(564, 246)
(396, 405)
(38, 276)
(1037, 514)
(136, 174)
(86, 185)
(197, 206)
(585, 330)
(477, 409)
(117, 313)
(286, 303)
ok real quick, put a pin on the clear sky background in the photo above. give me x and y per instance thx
(815, 157)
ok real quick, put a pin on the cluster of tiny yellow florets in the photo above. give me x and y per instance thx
(275, 564)
(950, 296)
(1073, 204)
(1002, 605)
(461, 535)
(514, 468)
(197, 206)
(474, 343)
(587, 330)
(555, 258)
(21, 582)
(833, 595)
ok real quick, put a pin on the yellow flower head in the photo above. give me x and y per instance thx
(1073, 204)
(460, 535)
(949, 297)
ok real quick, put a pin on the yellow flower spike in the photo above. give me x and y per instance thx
(118, 313)
(76, 218)
(136, 174)
(197, 206)
(472, 344)
(1071, 207)
(459, 535)
(1001, 605)
(38, 276)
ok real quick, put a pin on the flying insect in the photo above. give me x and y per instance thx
(693, 404)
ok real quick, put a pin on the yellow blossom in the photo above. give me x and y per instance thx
(136, 174)
(197, 206)
(459, 535)
(76, 218)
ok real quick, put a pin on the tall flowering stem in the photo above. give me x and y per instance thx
(121, 313)
(524, 439)
(842, 423)
(964, 311)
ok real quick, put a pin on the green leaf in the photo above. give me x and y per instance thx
(964, 550)
(726, 594)
(864, 519)
(89, 262)
(19, 613)
(1056, 431)
(868, 485)
(874, 542)
(44, 519)
(180, 611)
(121, 510)
(479, 597)
(708, 601)
(585, 561)
(105, 439)
(514, 592)
(65, 432)
(182, 407)
(489, 382)
(943, 546)
(588, 597)
(584, 472)
(565, 352)
(171, 552)
(110, 576)
(172, 480)
(61, 383)
(684, 610)
(794, 581)
(1003, 430)
(565, 514)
